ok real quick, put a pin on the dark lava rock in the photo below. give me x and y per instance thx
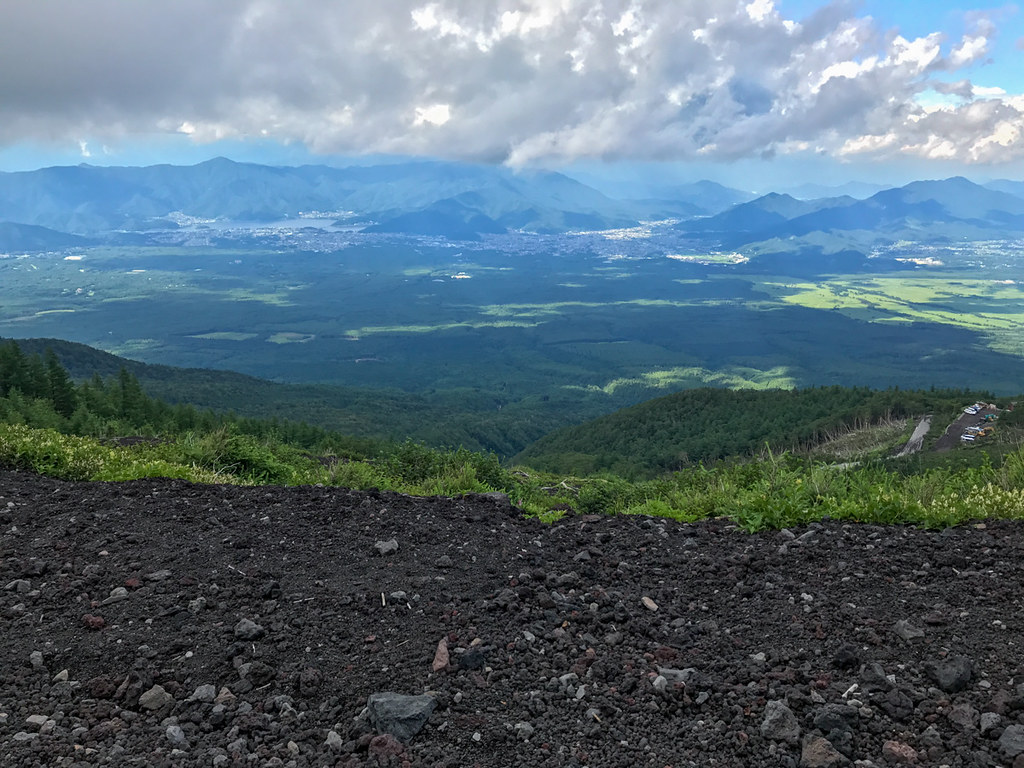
(952, 675)
(399, 715)
(779, 723)
(247, 629)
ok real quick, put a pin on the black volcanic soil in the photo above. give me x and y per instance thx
(124, 643)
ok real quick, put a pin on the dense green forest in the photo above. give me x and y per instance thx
(36, 390)
(705, 425)
(465, 417)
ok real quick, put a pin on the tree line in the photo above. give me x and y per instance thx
(37, 391)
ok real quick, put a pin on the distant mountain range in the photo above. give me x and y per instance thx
(58, 207)
(953, 208)
(434, 198)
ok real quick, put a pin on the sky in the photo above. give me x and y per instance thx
(747, 91)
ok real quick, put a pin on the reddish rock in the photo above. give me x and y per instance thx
(386, 745)
(441, 656)
(133, 583)
(93, 622)
(898, 752)
(101, 687)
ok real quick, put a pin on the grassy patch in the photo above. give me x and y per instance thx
(691, 377)
(224, 336)
(290, 337)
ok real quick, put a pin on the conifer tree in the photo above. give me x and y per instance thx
(60, 388)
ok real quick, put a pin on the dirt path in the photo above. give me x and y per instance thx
(157, 623)
(917, 439)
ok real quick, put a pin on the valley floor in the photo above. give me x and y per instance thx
(161, 623)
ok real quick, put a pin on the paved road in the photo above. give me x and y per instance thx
(952, 437)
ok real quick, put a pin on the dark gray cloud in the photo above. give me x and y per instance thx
(518, 81)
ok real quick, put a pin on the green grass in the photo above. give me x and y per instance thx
(777, 491)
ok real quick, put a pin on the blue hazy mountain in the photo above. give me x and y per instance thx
(400, 197)
(1015, 188)
(764, 214)
(856, 189)
(949, 208)
(647, 186)
(952, 208)
(27, 237)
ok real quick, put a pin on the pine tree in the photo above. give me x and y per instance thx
(61, 390)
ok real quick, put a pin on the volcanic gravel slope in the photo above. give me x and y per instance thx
(162, 623)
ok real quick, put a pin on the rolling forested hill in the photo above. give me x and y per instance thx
(705, 425)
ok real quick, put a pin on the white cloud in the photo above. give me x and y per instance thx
(435, 114)
(759, 10)
(985, 92)
(518, 81)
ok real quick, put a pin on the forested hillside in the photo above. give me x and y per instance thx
(702, 425)
(465, 417)
(37, 391)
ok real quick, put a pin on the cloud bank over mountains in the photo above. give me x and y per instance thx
(522, 82)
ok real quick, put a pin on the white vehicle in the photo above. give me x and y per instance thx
(971, 409)
(967, 438)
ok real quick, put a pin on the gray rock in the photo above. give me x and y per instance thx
(155, 698)
(162, 575)
(36, 721)
(334, 742)
(676, 676)
(36, 659)
(906, 631)
(386, 547)
(990, 720)
(23, 736)
(401, 716)
(247, 629)
(204, 693)
(954, 674)
(18, 585)
(116, 596)
(873, 677)
(1012, 740)
(176, 736)
(524, 730)
(930, 737)
(780, 724)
